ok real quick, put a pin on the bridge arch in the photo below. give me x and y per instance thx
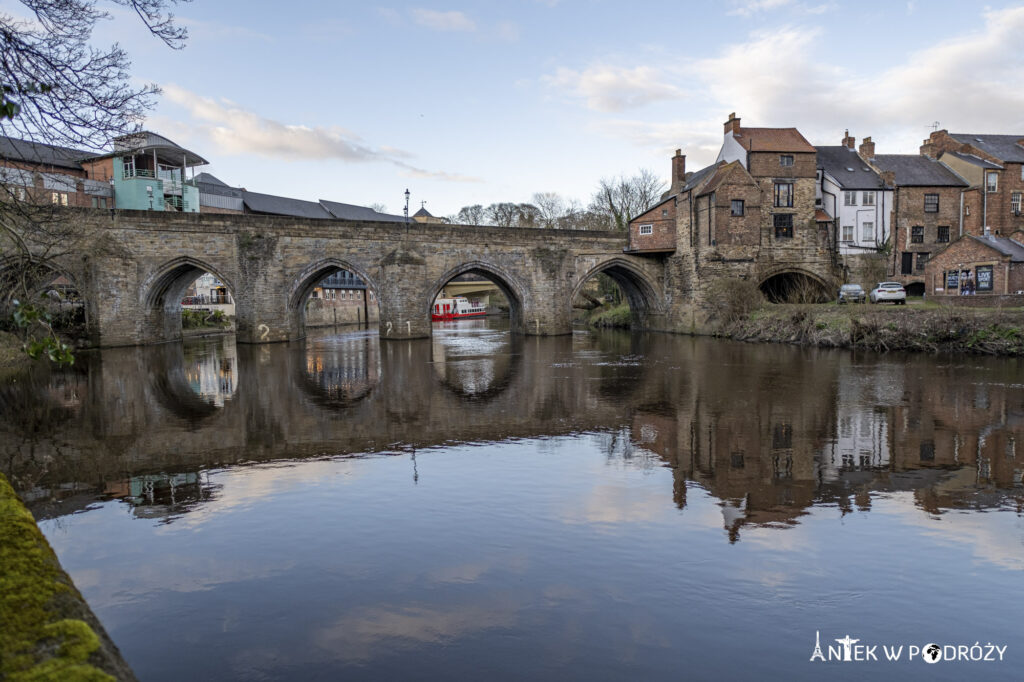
(307, 280)
(163, 291)
(509, 285)
(641, 294)
(794, 285)
(48, 284)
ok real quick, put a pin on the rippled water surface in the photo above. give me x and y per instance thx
(601, 506)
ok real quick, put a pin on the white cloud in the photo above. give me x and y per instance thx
(234, 130)
(780, 78)
(614, 88)
(443, 21)
(746, 8)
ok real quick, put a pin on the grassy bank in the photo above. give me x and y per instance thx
(617, 317)
(931, 328)
(47, 631)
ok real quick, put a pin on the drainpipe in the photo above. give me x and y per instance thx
(961, 213)
(895, 228)
(984, 203)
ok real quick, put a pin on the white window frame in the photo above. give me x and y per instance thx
(848, 233)
(868, 198)
(849, 198)
(1015, 201)
(867, 232)
(647, 229)
(991, 182)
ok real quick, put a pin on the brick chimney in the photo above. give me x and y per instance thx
(929, 147)
(848, 141)
(678, 171)
(732, 125)
(867, 148)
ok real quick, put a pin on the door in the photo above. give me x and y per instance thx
(908, 263)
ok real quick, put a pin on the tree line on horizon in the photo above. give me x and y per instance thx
(614, 203)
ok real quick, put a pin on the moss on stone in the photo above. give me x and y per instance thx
(37, 641)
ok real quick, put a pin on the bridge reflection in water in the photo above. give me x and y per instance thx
(769, 431)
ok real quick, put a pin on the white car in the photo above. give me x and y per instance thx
(889, 291)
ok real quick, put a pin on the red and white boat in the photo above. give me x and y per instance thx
(456, 308)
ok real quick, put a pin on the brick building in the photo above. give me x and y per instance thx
(926, 212)
(983, 266)
(993, 165)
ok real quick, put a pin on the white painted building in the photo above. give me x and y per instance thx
(856, 197)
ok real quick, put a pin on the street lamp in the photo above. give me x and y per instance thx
(407, 206)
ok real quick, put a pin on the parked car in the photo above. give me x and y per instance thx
(889, 291)
(851, 293)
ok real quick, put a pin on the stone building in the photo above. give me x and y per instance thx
(993, 165)
(926, 212)
(982, 266)
(751, 214)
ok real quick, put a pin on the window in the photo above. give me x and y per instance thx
(917, 234)
(991, 182)
(869, 198)
(983, 278)
(782, 436)
(737, 207)
(664, 213)
(942, 233)
(953, 279)
(59, 198)
(95, 202)
(1015, 203)
(784, 194)
(867, 232)
(847, 233)
(783, 225)
(786, 160)
(922, 260)
(850, 198)
(646, 229)
(931, 203)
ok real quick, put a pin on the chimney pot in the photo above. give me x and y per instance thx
(732, 125)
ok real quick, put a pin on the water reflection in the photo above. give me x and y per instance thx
(578, 499)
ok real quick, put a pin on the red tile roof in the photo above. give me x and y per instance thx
(821, 216)
(773, 140)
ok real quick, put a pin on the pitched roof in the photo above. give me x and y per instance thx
(975, 160)
(422, 213)
(1004, 245)
(721, 173)
(848, 169)
(1005, 147)
(275, 205)
(914, 170)
(698, 177)
(353, 212)
(210, 179)
(822, 216)
(37, 152)
(773, 140)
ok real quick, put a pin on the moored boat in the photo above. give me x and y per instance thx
(456, 308)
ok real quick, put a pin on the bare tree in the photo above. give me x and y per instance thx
(550, 208)
(379, 207)
(469, 215)
(624, 198)
(503, 214)
(59, 89)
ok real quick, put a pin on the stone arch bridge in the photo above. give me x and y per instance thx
(132, 288)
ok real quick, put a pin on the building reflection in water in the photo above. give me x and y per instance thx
(343, 369)
(164, 497)
(211, 369)
(769, 431)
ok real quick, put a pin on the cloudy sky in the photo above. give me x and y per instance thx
(477, 102)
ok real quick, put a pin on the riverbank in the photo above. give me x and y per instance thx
(922, 328)
(610, 317)
(47, 631)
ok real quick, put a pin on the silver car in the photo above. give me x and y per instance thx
(889, 291)
(851, 293)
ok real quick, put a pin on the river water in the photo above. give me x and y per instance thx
(482, 505)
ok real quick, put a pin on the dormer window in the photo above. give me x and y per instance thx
(786, 160)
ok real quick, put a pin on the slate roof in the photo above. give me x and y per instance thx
(1005, 147)
(975, 160)
(36, 152)
(209, 179)
(848, 169)
(1004, 245)
(353, 212)
(422, 213)
(773, 140)
(274, 205)
(721, 173)
(914, 170)
(209, 184)
(700, 176)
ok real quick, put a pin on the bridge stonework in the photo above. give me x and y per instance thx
(133, 281)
